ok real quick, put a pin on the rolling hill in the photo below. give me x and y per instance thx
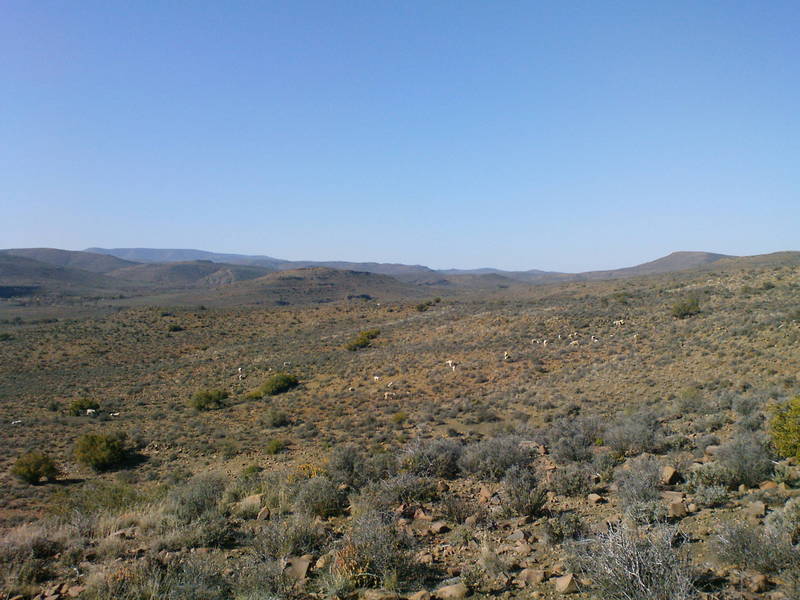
(88, 261)
(202, 273)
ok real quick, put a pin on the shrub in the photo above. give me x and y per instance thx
(746, 458)
(639, 483)
(566, 526)
(628, 563)
(196, 498)
(274, 446)
(278, 384)
(208, 399)
(634, 434)
(384, 495)
(523, 494)
(787, 519)
(374, 553)
(572, 480)
(276, 418)
(293, 535)
(710, 495)
(101, 451)
(81, 405)
(490, 459)
(784, 428)
(433, 458)
(32, 467)
(363, 339)
(686, 307)
(571, 440)
(350, 467)
(318, 496)
(748, 546)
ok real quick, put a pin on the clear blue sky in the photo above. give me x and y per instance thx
(554, 135)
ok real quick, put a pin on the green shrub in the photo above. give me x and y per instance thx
(101, 451)
(319, 497)
(523, 494)
(491, 458)
(572, 480)
(4, 337)
(433, 458)
(208, 399)
(784, 428)
(363, 339)
(686, 308)
(31, 467)
(276, 418)
(746, 458)
(81, 405)
(274, 446)
(278, 384)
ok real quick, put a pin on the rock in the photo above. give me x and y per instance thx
(378, 595)
(452, 592)
(758, 583)
(677, 510)
(485, 494)
(324, 561)
(75, 590)
(517, 535)
(671, 496)
(420, 595)
(523, 549)
(422, 515)
(297, 566)
(595, 499)
(756, 509)
(471, 521)
(263, 514)
(692, 508)
(531, 577)
(712, 450)
(742, 488)
(670, 476)
(767, 485)
(438, 527)
(566, 584)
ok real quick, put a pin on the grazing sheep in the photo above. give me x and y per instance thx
(544, 343)
(619, 322)
(506, 356)
(387, 395)
(376, 377)
(90, 411)
(595, 339)
(351, 389)
(116, 414)
(17, 422)
(574, 343)
(451, 364)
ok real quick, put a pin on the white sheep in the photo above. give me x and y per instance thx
(506, 356)
(619, 322)
(595, 339)
(376, 377)
(451, 364)
(574, 343)
(90, 411)
(17, 422)
(116, 414)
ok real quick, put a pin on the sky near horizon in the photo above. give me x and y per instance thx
(563, 136)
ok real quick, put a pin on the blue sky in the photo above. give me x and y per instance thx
(555, 135)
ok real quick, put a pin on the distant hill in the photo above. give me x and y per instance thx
(677, 261)
(155, 255)
(202, 273)
(21, 276)
(306, 286)
(88, 261)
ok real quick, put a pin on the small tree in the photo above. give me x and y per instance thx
(278, 384)
(101, 451)
(81, 405)
(31, 467)
(686, 308)
(784, 427)
(208, 399)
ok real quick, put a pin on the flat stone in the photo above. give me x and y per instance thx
(756, 509)
(566, 584)
(517, 535)
(677, 510)
(263, 514)
(758, 583)
(297, 566)
(767, 485)
(439, 527)
(532, 577)
(452, 592)
(595, 499)
(672, 496)
(420, 595)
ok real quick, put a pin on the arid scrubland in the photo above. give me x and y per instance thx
(600, 439)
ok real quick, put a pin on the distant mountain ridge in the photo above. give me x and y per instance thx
(675, 261)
